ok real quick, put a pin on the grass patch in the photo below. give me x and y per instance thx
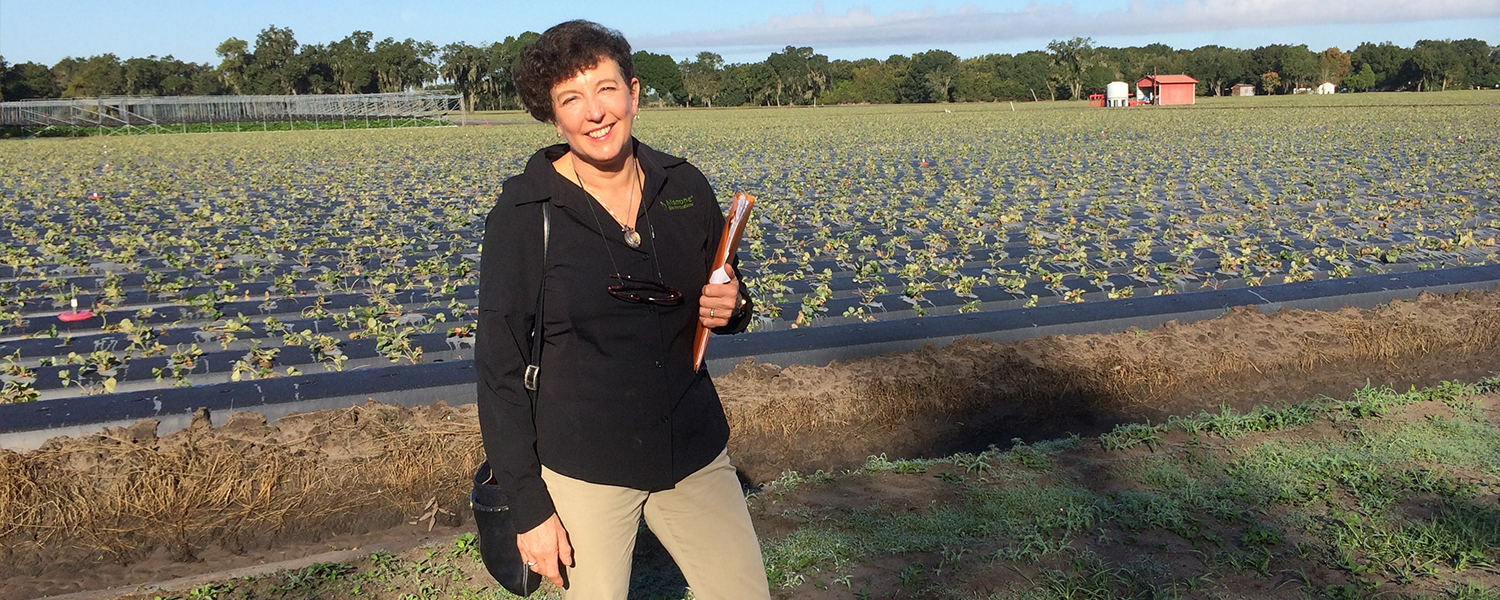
(1380, 494)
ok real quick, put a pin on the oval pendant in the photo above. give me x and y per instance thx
(632, 238)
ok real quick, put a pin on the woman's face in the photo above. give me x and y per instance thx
(594, 110)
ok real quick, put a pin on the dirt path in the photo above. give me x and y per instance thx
(129, 507)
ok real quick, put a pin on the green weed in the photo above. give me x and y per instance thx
(1130, 435)
(465, 545)
(311, 577)
(209, 591)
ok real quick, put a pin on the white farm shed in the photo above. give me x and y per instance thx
(1327, 87)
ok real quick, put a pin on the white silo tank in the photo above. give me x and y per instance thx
(1117, 93)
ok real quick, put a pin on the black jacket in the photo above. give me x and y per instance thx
(618, 401)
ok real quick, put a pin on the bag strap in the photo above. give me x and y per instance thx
(534, 368)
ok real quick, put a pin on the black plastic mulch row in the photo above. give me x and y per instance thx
(956, 325)
(173, 314)
(222, 361)
(784, 343)
(244, 395)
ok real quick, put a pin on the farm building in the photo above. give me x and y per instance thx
(1242, 89)
(1327, 87)
(1169, 89)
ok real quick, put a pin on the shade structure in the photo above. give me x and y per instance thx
(160, 110)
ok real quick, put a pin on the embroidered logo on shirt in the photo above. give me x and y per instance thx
(679, 204)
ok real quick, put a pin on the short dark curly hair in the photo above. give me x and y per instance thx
(563, 51)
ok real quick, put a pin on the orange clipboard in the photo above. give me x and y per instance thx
(729, 243)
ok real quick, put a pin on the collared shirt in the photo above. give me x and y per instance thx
(619, 401)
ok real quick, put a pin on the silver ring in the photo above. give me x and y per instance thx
(710, 313)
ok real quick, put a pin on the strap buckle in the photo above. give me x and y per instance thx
(529, 378)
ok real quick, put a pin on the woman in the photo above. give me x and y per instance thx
(624, 427)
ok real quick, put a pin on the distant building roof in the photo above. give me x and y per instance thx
(1146, 81)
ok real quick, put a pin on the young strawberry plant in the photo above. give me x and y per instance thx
(299, 239)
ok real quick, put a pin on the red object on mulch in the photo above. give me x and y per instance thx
(75, 316)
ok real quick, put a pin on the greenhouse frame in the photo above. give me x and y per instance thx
(156, 113)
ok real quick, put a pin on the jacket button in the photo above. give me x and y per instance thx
(666, 419)
(658, 364)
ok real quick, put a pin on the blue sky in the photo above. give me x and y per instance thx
(47, 30)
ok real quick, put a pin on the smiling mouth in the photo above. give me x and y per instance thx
(601, 132)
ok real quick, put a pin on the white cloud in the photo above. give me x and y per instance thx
(971, 24)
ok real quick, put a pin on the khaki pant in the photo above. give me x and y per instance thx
(702, 522)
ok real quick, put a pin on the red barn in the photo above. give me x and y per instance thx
(1169, 89)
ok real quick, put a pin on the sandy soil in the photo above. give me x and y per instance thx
(128, 507)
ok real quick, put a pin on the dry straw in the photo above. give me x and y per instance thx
(127, 492)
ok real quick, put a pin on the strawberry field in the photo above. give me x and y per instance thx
(208, 258)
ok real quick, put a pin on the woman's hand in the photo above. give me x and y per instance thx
(545, 548)
(719, 301)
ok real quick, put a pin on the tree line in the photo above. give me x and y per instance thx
(276, 63)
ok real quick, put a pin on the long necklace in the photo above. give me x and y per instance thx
(611, 254)
(632, 237)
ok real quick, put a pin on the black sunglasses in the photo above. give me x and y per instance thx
(641, 291)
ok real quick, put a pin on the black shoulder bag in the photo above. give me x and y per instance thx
(497, 532)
